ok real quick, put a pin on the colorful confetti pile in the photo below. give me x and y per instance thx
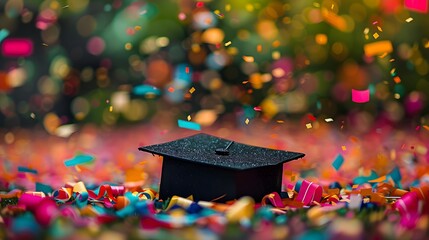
(84, 83)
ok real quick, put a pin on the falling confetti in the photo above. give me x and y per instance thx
(189, 125)
(360, 96)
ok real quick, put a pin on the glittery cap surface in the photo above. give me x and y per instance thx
(201, 148)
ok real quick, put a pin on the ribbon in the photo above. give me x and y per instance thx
(274, 199)
(408, 207)
(309, 192)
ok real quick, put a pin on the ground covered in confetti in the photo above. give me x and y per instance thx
(95, 184)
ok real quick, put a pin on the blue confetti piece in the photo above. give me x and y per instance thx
(40, 187)
(144, 90)
(395, 174)
(189, 125)
(3, 34)
(26, 169)
(79, 159)
(338, 162)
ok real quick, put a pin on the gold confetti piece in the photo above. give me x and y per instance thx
(397, 96)
(248, 58)
(280, 121)
(192, 90)
(392, 60)
(379, 29)
(383, 55)
(32, 115)
(410, 19)
(189, 118)
(228, 7)
(393, 71)
(44, 44)
(227, 43)
(110, 108)
(329, 120)
(247, 121)
(343, 148)
(137, 28)
(308, 125)
(375, 35)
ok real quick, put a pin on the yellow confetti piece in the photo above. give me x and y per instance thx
(343, 148)
(228, 7)
(379, 29)
(247, 121)
(192, 90)
(377, 48)
(308, 125)
(137, 28)
(228, 43)
(410, 19)
(110, 108)
(375, 35)
(248, 58)
(397, 96)
(189, 118)
(366, 31)
(241, 209)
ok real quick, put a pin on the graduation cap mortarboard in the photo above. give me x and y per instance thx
(208, 168)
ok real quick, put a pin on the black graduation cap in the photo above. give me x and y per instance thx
(208, 168)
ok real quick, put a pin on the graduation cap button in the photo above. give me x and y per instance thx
(224, 151)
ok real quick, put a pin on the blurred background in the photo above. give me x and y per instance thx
(120, 62)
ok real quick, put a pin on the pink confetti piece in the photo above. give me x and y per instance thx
(17, 47)
(360, 96)
(416, 5)
(309, 192)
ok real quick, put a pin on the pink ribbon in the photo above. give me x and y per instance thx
(408, 207)
(274, 199)
(309, 192)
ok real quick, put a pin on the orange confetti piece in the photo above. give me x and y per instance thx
(397, 79)
(376, 48)
(377, 180)
(259, 48)
(334, 20)
(248, 58)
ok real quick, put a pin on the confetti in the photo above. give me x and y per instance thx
(79, 159)
(329, 120)
(17, 47)
(308, 125)
(228, 43)
(360, 96)
(416, 5)
(338, 162)
(3, 34)
(376, 48)
(248, 58)
(410, 19)
(189, 117)
(375, 35)
(145, 90)
(247, 121)
(26, 169)
(189, 125)
(192, 90)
